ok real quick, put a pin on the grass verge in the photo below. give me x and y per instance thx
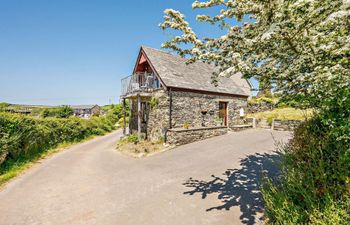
(131, 146)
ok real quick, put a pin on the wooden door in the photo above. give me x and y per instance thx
(223, 113)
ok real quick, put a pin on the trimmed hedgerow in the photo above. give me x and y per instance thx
(23, 137)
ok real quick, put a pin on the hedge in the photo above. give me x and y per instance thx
(25, 136)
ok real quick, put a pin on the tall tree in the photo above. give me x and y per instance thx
(300, 46)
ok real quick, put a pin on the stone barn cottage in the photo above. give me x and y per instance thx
(86, 111)
(177, 102)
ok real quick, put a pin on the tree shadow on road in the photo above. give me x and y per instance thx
(239, 187)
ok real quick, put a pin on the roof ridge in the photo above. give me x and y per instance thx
(163, 51)
(176, 55)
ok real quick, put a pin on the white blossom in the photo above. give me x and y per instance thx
(302, 48)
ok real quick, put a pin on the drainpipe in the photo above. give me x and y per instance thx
(170, 107)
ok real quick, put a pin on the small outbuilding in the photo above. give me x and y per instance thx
(178, 102)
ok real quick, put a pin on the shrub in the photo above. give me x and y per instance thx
(269, 99)
(3, 106)
(133, 138)
(121, 121)
(21, 137)
(58, 112)
(314, 187)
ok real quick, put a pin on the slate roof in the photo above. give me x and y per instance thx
(174, 72)
(82, 106)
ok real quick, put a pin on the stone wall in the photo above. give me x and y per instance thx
(187, 108)
(157, 115)
(180, 136)
(158, 120)
(287, 125)
(260, 107)
(198, 109)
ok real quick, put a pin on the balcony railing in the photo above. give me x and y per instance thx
(139, 82)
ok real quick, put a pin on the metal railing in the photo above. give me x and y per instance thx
(139, 82)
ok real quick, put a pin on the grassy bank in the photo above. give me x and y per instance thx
(283, 114)
(24, 139)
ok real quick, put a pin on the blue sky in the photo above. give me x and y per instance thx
(58, 52)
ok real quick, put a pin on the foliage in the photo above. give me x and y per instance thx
(58, 112)
(121, 121)
(23, 137)
(116, 110)
(299, 46)
(154, 102)
(132, 138)
(3, 105)
(263, 99)
(315, 184)
(283, 114)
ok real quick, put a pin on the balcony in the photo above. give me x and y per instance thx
(139, 83)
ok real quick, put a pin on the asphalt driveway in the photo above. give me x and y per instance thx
(214, 181)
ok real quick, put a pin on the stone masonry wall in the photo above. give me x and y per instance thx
(287, 125)
(182, 136)
(188, 107)
(158, 120)
(157, 116)
(260, 107)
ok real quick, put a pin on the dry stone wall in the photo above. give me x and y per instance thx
(260, 107)
(286, 125)
(182, 136)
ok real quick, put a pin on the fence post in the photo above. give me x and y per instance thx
(254, 122)
(273, 124)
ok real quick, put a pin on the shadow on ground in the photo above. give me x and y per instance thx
(239, 187)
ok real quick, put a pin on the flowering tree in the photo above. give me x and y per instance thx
(299, 46)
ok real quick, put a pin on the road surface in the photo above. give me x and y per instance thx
(214, 181)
